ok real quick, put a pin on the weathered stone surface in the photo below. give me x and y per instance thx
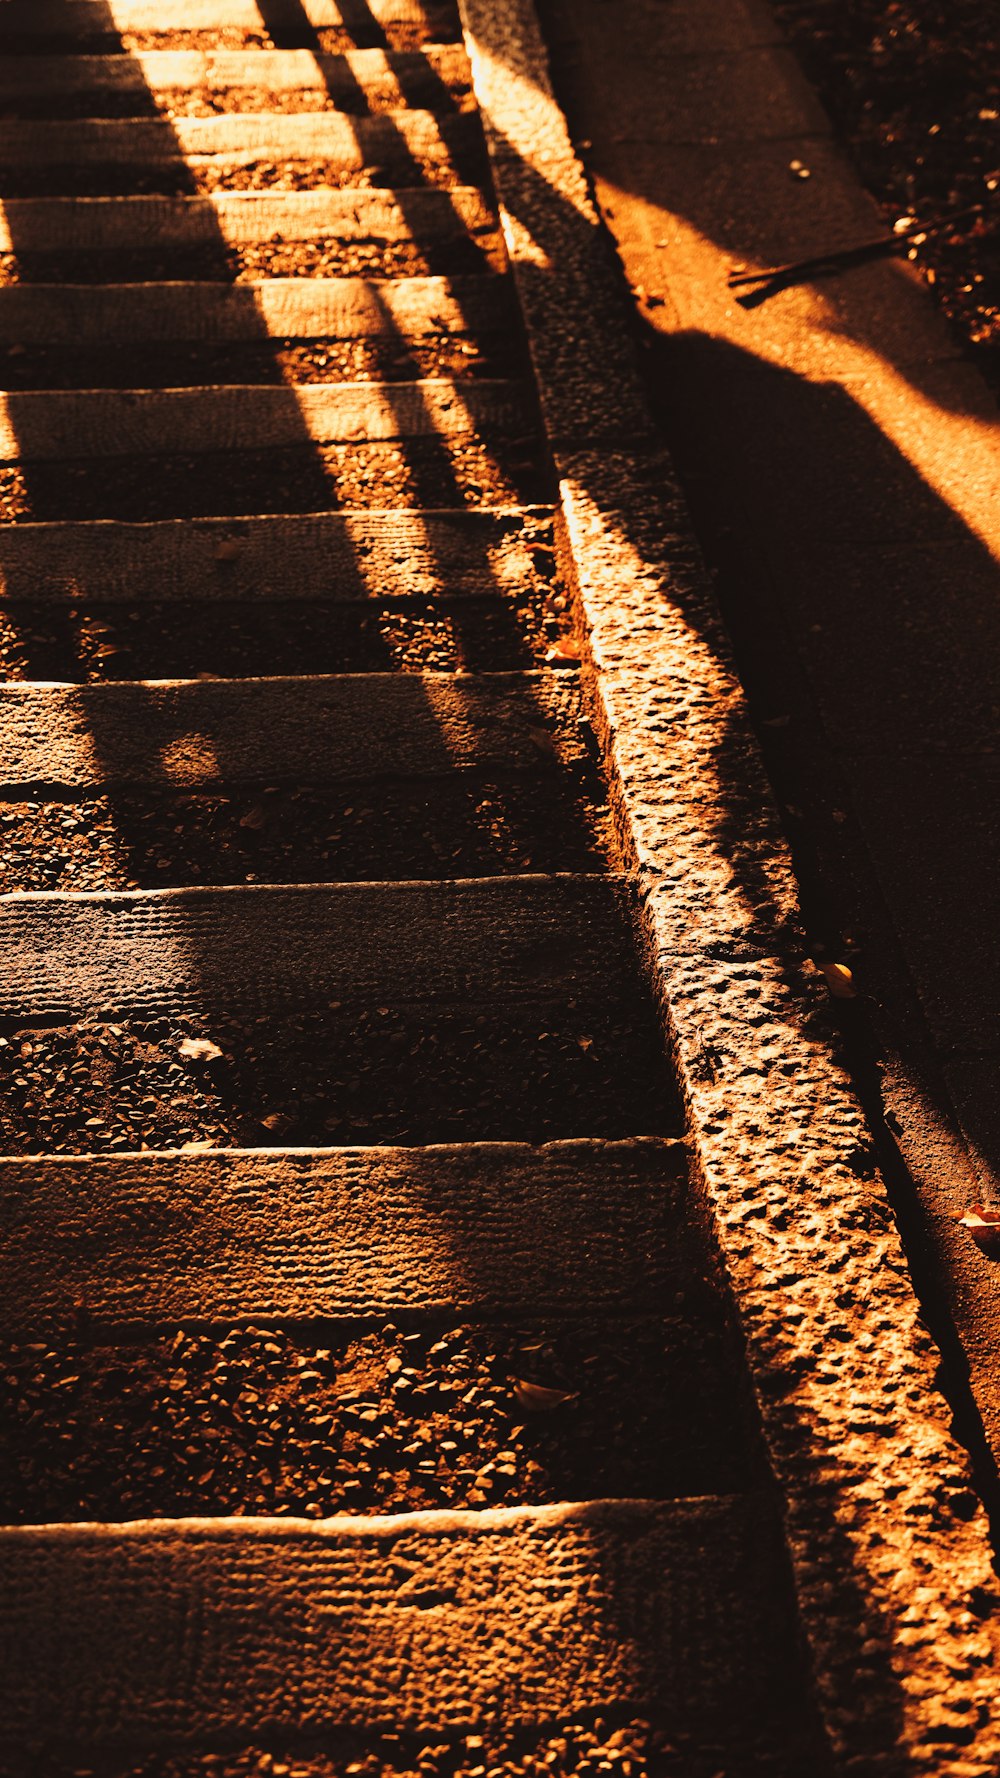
(330, 555)
(426, 1620)
(504, 940)
(347, 728)
(492, 1227)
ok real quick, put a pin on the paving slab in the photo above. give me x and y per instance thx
(885, 634)
(748, 202)
(672, 27)
(975, 1085)
(748, 95)
(933, 828)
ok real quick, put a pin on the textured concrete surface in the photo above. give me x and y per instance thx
(484, 940)
(891, 1553)
(46, 425)
(345, 144)
(281, 308)
(330, 555)
(344, 728)
(385, 76)
(239, 137)
(78, 17)
(231, 218)
(494, 1228)
(439, 1620)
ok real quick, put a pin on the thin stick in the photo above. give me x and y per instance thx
(847, 255)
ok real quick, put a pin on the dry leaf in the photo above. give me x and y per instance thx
(199, 1049)
(839, 980)
(537, 1399)
(254, 818)
(543, 740)
(197, 1147)
(564, 650)
(983, 1224)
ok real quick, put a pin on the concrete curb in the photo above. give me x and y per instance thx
(891, 1553)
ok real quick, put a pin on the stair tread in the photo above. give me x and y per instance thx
(484, 941)
(243, 218)
(499, 1228)
(672, 1606)
(258, 312)
(357, 556)
(379, 73)
(324, 729)
(94, 17)
(52, 424)
(351, 143)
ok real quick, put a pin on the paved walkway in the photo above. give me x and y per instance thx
(843, 464)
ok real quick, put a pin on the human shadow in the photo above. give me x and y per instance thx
(753, 438)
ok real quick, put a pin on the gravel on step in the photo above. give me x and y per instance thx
(552, 821)
(375, 1075)
(442, 472)
(97, 643)
(392, 359)
(259, 1420)
(327, 258)
(188, 178)
(596, 1744)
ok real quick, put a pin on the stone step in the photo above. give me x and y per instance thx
(341, 557)
(501, 942)
(501, 1229)
(233, 140)
(351, 728)
(240, 219)
(167, 1632)
(49, 425)
(96, 18)
(279, 308)
(370, 77)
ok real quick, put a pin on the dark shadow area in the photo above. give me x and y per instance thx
(751, 439)
(331, 1073)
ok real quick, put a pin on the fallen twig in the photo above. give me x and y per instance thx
(800, 269)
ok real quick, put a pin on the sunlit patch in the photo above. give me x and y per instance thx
(799, 330)
(190, 759)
